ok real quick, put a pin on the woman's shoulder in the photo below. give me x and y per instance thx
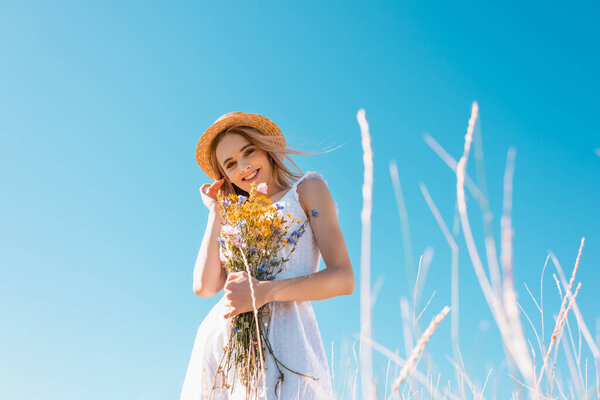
(309, 176)
(310, 184)
(313, 193)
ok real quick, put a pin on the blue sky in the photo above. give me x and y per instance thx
(101, 107)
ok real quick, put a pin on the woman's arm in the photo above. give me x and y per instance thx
(209, 274)
(335, 280)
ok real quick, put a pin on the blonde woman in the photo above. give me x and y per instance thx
(240, 149)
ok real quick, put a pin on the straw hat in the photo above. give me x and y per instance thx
(263, 124)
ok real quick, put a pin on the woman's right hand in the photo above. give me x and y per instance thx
(209, 194)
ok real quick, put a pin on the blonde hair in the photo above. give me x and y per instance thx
(277, 154)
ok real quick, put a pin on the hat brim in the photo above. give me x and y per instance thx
(263, 124)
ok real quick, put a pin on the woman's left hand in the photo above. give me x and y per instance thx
(238, 297)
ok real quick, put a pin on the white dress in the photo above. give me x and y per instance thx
(293, 333)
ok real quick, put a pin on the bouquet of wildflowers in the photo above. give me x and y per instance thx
(253, 234)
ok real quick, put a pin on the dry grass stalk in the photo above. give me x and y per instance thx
(366, 357)
(537, 337)
(464, 377)
(332, 367)
(387, 374)
(576, 265)
(564, 309)
(597, 378)
(586, 379)
(416, 352)
(485, 384)
(575, 353)
(424, 308)
(419, 376)
(425, 263)
(438, 217)
(558, 286)
(404, 225)
(454, 267)
(513, 339)
(375, 290)
(490, 243)
(509, 301)
(452, 164)
(542, 302)
(407, 326)
(560, 322)
(576, 379)
(462, 209)
(580, 321)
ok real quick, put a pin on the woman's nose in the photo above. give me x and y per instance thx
(245, 167)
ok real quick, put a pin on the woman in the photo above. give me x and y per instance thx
(240, 149)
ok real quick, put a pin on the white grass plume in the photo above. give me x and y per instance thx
(366, 357)
(513, 339)
(416, 352)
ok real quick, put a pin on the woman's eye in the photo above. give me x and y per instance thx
(250, 151)
(231, 164)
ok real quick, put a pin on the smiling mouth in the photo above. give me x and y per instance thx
(251, 176)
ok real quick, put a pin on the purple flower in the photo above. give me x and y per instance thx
(292, 240)
(242, 198)
(235, 330)
(262, 270)
(314, 212)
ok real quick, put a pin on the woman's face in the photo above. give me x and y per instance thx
(243, 162)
